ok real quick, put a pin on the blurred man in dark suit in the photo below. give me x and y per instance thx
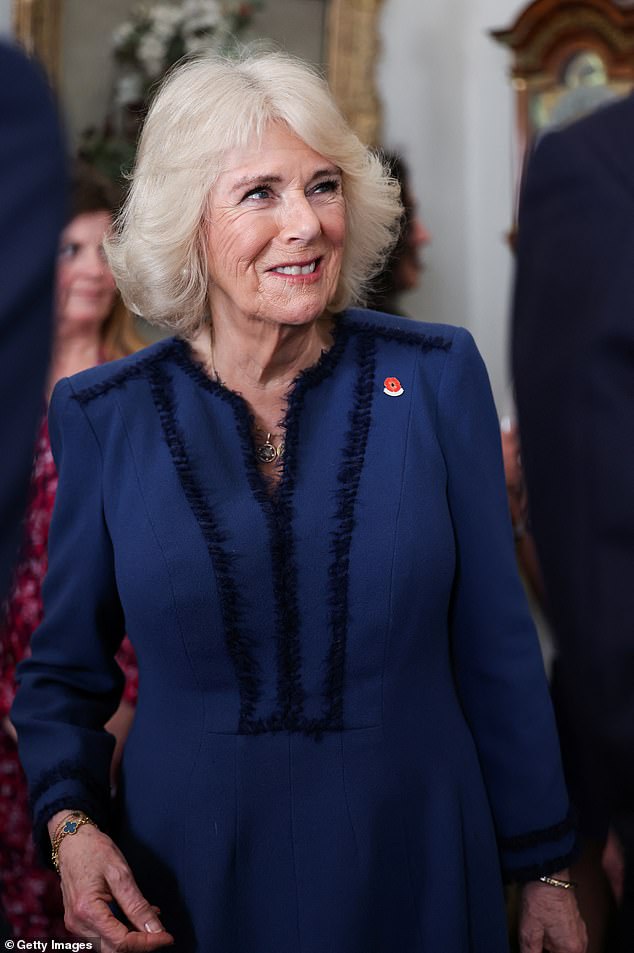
(573, 364)
(32, 199)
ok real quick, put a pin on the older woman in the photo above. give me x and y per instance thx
(343, 739)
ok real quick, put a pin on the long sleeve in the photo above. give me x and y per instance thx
(496, 656)
(71, 684)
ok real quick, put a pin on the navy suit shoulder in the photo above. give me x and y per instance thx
(607, 134)
(96, 381)
(398, 327)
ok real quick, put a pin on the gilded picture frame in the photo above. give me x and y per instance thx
(36, 25)
(351, 44)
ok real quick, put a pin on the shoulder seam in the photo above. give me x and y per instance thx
(426, 342)
(137, 369)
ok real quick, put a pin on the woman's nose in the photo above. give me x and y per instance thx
(420, 234)
(93, 263)
(299, 220)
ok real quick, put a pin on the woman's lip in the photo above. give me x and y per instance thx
(298, 264)
(310, 278)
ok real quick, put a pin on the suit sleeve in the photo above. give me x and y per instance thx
(496, 656)
(573, 362)
(71, 684)
(32, 208)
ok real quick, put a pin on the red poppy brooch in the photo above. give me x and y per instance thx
(392, 387)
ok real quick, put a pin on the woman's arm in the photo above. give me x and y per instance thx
(71, 686)
(496, 657)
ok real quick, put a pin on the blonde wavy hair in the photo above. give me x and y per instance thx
(209, 105)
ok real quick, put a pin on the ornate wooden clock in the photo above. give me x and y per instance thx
(569, 56)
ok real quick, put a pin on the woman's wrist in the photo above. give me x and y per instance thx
(56, 820)
(68, 824)
(557, 880)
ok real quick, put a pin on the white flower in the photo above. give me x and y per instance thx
(129, 89)
(165, 20)
(206, 12)
(122, 34)
(151, 53)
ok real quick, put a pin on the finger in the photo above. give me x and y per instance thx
(132, 903)
(531, 940)
(116, 935)
(138, 942)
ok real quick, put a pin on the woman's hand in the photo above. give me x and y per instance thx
(6, 725)
(550, 920)
(94, 872)
(119, 726)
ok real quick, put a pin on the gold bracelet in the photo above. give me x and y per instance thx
(554, 882)
(70, 825)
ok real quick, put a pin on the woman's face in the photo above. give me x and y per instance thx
(275, 232)
(85, 286)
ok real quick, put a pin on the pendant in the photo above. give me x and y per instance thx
(266, 452)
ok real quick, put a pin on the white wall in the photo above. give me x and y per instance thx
(448, 106)
(5, 16)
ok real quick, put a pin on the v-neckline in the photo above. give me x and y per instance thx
(271, 496)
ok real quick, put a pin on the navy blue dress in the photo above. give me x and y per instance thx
(343, 739)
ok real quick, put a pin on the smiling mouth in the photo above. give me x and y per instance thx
(297, 269)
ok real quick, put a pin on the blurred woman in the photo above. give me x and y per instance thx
(91, 326)
(404, 267)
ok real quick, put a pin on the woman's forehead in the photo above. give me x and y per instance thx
(275, 152)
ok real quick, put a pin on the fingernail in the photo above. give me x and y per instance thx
(152, 926)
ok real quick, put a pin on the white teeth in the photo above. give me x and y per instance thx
(297, 269)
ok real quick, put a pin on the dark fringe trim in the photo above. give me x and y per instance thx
(93, 809)
(277, 506)
(416, 339)
(348, 477)
(66, 771)
(535, 838)
(279, 513)
(132, 371)
(237, 642)
(535, 871)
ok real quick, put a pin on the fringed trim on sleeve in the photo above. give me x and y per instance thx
(537, 837)
(535, 871)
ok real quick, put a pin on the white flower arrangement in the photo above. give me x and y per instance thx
(159, 34)
(156, 35)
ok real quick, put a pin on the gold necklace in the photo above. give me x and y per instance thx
(265, 451)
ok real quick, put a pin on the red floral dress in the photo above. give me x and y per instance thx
(30, 894)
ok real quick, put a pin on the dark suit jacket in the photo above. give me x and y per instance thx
(573, 363)
(31, 215)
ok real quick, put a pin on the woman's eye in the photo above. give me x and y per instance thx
(68, 250)
(329, 185)
(262, 192)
